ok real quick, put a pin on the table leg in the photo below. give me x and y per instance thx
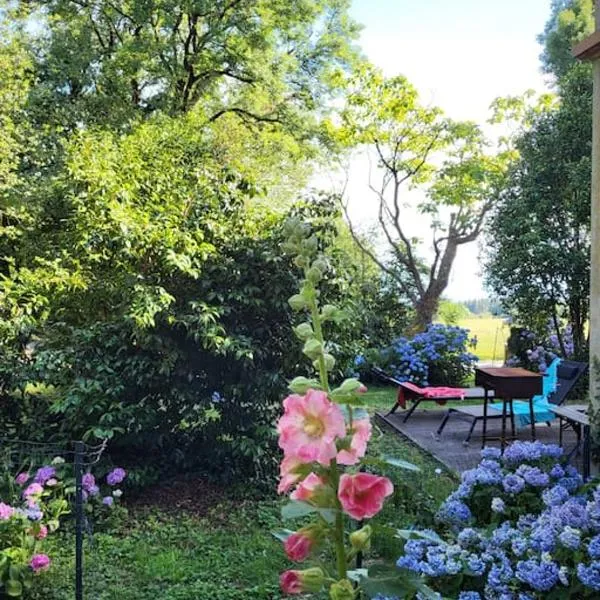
(485, 414)
(532, 417)
(586, 452)
(503, 436)
(513, 431)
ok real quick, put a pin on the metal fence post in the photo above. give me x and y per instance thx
(79, 451)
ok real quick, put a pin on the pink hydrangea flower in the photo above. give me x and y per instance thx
(39, 562)
(309, 427)
(42, 533)
(361, 434)
(6, 511)
(288, 474)
(290, 582)
(35, 489)
(362, 495)
(298, 546)
(22, 478)
(306, 488)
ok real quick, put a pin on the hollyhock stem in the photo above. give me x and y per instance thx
(340, 549)
(314, 311)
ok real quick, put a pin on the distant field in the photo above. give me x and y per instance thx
(491, 333)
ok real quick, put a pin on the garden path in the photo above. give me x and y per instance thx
(449, 450)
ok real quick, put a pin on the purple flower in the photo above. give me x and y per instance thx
(513, 484)
(34, 489)
(44, 473)
(116, 476)
(108, 500)
(22, 478)
(6, 511)
(39, 562)
(88, 481)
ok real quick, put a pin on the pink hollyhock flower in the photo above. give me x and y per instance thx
(361, 434)
(306, 488)
(288, 475)
(309, 427)
(39, 562)
(6, 511)
(362, 495)
(290, 582)
(298, 546)
(21, 478)
(42, 533)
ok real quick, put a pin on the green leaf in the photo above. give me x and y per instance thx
(281, 534)
(295, 509)
(398, 462)
(413, 534)
(13, 588)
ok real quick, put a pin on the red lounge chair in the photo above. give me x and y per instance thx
(409, 392)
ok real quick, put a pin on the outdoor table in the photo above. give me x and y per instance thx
(576, 414)
(508, 383)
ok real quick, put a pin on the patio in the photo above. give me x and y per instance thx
(450, 451)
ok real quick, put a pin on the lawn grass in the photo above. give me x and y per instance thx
(492, 334)
(230, 553)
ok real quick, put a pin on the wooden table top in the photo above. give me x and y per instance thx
(507, 372)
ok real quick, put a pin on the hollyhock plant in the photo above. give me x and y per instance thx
(323, 434)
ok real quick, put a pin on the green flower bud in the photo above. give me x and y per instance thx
(361, 539)
(312, 579)
(297, 302)
(321, 264)
(310, 245)
(351, 385)
(301, 261)
(313, 275)
(300, 385)
(329, 361)
(304, 331)
(342, 590)
(313, 348)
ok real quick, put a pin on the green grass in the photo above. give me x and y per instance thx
(492, 334)
(231, 554)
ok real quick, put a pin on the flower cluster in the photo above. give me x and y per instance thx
(545, 534)
(32, 508)
(438, 355)
(536, 352)
(324, 434)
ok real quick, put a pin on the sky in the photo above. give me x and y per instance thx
(460, 55)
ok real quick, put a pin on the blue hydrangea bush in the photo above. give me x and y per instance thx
(520, 526)
(438, 356)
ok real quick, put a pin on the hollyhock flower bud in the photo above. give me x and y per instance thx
(362, 495)
(39, 562)
(309, 427)
(342, 590)
(298, 582)
(297, 302)
(298, 546)
(361, 539)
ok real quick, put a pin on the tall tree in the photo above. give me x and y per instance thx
(416, 146)
(538, 236)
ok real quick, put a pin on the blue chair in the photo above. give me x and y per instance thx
(541, 403)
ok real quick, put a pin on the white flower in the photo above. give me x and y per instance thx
(58, 460)
(498, 505)
(438, 471)
(117, 493)
(562, 575)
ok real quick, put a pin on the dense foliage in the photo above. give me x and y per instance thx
(538, 242)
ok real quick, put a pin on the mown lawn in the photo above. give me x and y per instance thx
(492, 334)
(229, 554)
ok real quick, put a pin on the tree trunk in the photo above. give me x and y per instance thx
(425, 311)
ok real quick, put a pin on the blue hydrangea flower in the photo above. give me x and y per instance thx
(469, 596)
(541, 576)
(594, 547)
(513, 484)
(570, 538)
(555, 496)
(589, 575)
(455, 512)
(498, 505)
(491, 453)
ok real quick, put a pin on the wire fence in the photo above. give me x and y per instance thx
(18, 454)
